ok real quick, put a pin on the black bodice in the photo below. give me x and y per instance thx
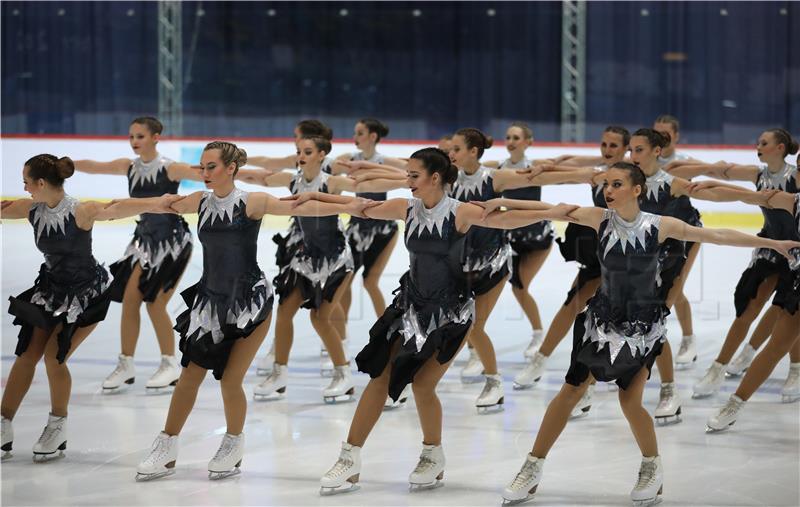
(660, 201)
(777, 224)
(322, 236)
(526, 193)
(479, 186)
(150, 179)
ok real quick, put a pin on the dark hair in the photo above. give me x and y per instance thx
(50, 168)
(785, 138)
(636, 175)
(446, 137)
(526, 130)
(654, 137)
(320, 143)
(152, 124)
(434, 161)
(314, 128)
(229, 153)
(375, 126)
(616, 129)
(671, 120)
(474, 138)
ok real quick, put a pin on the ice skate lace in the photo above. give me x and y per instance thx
(425, 464)
(730, 409)
(684, 348)
(50, 431)
(491, 384)
(119, 370)
(528, 471)
(163, 368)
(272, 378)
(647, 475)
(159, 450)
(341, 466)
(667, 392)
(712, 375)
(225, 448)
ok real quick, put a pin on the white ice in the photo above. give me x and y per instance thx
(291, 443)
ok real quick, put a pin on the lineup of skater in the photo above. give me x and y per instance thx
(470, 228)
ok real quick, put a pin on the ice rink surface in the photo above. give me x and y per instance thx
(290, 443)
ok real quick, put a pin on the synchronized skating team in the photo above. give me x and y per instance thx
(470, 227)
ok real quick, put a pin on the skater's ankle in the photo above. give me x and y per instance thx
(434, 443)
(58, 413)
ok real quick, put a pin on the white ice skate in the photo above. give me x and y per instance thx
(166, 376)
(325, 361)
(668, 410)
(341, 388)
(228, 459)
(343, 475)
(650, 484)
(472, 373)
(274, 386)
(53, 441)
(726, 416)
(264, 365)
(791, 388)
(711, 382)
(7, 438)
(532, 372)
(741, 363)
(524, 485)
(161, 460)
(492, 397)
(390, 404)
(123, 374)
(687, 353)
(584, 404)
(533, 346)
(429, 471)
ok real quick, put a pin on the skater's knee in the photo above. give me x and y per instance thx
(231, 387)
(156, 308)
(570, 393)
(54, 367)
(423, 390)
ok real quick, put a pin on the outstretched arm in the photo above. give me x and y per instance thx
(273, 163)
(118, 166)
(18, 208)
(472, 214)
(260, 204)
(718, 191)
(178, 171)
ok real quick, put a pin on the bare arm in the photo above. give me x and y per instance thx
(178, 171)
(273, 163)
(471, 214)
(118, 167)
(724, 192)
(260, 204)
(18, 208)
(678, 229)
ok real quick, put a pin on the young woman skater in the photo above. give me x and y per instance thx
(153, 263)
(230, 308)
(622, 330)
(68, 299)
(420, 333)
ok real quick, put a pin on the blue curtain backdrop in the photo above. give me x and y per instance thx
(726, 69)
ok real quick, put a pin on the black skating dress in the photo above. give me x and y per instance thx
(322, 258)
(487, 254)
(530, 238)
(71, 289)
(623, 327)
(233, 297)
(368, 237)
(433, 308)
(162, 243)
(766, 262)
(791, 287)
(580, 244)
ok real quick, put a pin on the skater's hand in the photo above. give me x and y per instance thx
(534, 171)
(5, 204)
(354, 165)
(165, 202)
(769, 194)
(298, 199)
(561, 211)
(357, 206)
(784, 247)
(488, 206)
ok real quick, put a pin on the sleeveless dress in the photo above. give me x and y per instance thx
(623, 327)
(433, 308)
(162, 243)
(791, 286)
(530, 238)
(233, 297)
(71, 289)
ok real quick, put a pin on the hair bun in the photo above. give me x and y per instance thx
(792, 148)
(65, 167)
(489, 142)
(241, 157)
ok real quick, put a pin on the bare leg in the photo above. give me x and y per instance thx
(557, 415)
(565, 317)
(794, 352)
(284, 329)
(639, 419)
(529, 266)
(784, 338)
(183, 398)
(162, 323)
(22, 371)
(371, 281)
(764, 327)
(131, 319)
(484, 304)
(233, 397)
(429, 408)
(321, 320)
(370, 405)
(740, 325)
(58, 376)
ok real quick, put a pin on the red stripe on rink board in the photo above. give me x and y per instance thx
(347, 140)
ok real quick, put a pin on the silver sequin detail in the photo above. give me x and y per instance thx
(315, 185)
(766, 254)
(72, 306)
(657, 182)
(377, 158)
(140, 251)
(213, 207)
(47, 220)
(628, 233)
(471, 184)
(413, 329)
(508, 164)
(637, 343)
(662, 161)
(204, 314)
(142, 173)
(431, 220)
(496, 260)
(363, 236)
(304, 265)
(770, 181)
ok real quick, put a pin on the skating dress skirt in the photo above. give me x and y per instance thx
(530, 238)
(433, 309)
(487, 254)
(321, 259)
(580, 244)
(792, 283)
(766, 262)
(71, 289)
(233, 297)
(368, 237)
(623, 327)
(162, 243)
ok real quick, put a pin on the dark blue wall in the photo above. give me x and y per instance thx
(257, 67)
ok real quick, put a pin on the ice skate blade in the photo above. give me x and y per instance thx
(709, 429)
(416, 488)
(161, 389)
(342, 398)
(530, 496)
(668, 420)
(700, 396)
(41, 457)
(158, 475)
(521, 387)
(789, 398)
(648, 502)
(685, 366)
(214, 475)
(120, 388)
(7, 455)
(735, 375)
(491, 409)
(584, 412)
(273, 396)
(347, 487)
